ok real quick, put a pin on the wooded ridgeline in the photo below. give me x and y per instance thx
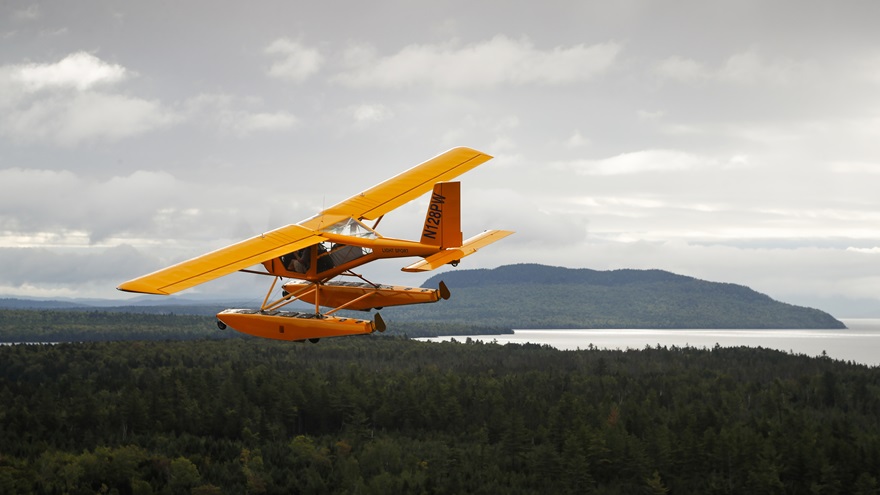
(540, 296)
(390, 415)
(22, 325)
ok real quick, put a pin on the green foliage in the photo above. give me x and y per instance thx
(93, 326)
(390, 415)
(88, 326)
(536, 296)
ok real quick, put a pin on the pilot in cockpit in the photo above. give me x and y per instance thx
(297, 261)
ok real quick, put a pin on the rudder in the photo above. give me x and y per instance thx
(442, 225)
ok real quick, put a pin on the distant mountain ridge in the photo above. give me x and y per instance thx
(544, 274)
(16, 303)
(540, 296)
(178, 306)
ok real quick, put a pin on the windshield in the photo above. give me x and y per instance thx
(352, 227)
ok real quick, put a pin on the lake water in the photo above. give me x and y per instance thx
(860, 342)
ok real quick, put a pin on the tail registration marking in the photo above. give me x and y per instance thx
(434, 217)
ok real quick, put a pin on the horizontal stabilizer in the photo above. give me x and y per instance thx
(223, 261)
(451, 255)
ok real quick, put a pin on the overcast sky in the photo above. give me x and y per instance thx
(732, 141)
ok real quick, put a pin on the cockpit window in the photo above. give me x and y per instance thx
(352, 227)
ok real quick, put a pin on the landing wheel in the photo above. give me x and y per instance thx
(221, 325)
(314, 341)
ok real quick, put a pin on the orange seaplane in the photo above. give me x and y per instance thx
(314, 252)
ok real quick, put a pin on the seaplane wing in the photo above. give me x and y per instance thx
(400, 189)
(223, 261)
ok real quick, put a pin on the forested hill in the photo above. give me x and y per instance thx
(384, 415)
(538, 296)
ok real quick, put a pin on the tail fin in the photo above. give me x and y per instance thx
(443, 220)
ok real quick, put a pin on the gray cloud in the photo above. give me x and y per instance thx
(748, 68)
(295, 61)
(45, 269)
(486, 64)
(78, 70)
(60, 102)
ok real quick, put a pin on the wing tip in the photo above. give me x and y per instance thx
(136, 287)
(469, 150)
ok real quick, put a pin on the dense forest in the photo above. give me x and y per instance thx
(19, 325)
(538, 296)
(390, 415)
